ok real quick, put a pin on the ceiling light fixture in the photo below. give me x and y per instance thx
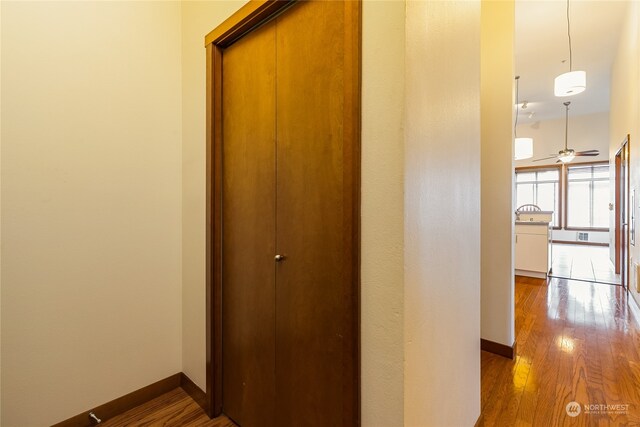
(566, 155)
(573, 82)
(523, 147)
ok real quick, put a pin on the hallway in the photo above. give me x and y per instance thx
(576, 341)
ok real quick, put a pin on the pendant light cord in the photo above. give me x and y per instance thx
(566, 124)
(515, 125)
(569, 35)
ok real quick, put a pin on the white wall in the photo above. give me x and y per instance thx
(442, 214)
(382, 303)
(91, 169)
(382, 200)
(198, 18)
(497, 172)
(624, 119)
(587, 132)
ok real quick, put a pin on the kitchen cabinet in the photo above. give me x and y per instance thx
(533, 249)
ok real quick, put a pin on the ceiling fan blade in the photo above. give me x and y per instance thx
(589, 151)
(544, 158)
(584, 153)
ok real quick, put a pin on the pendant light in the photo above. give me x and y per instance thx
(566, 155)
(573, 82)
(523, 147)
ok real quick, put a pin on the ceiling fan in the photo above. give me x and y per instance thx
(568, 154)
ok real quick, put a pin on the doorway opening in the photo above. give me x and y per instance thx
(623, 222)
(283, 261)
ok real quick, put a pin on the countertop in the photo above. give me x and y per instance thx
(532, 222)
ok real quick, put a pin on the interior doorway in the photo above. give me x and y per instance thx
(283, 168)
(621, 213)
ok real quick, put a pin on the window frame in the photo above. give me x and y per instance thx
(543, 168)
(566, 195)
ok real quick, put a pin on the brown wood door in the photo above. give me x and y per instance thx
(289, 185)
(313, 324)
(248, 229)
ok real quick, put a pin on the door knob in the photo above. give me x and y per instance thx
(279, 258)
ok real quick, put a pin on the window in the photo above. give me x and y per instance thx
(540, 187)
(580, 191)
(588, 196)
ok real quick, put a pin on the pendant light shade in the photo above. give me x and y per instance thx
(571, 83)
(523, 148)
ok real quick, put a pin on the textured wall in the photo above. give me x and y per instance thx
(442, 214)
(497, 172)
(383, 66)
(91, 207)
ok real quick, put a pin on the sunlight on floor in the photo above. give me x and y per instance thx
(577, 341)
(581, 262)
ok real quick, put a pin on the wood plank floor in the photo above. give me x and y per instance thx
(173, 409)
(576, 342)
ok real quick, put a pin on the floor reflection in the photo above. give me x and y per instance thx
(576, 341)
(583, 262)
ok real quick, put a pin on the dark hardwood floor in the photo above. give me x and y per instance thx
(576, 342)
(173, 409)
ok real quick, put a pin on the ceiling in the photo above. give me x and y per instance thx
(541, 46)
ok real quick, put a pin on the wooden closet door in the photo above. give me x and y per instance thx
(248, 224)
(314, 301)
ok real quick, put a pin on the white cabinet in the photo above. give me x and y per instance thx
(532, 254)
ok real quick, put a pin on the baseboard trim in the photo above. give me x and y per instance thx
(635, 305)
(499, 349)
(533, 274)
(126, 402)
(194, 391)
